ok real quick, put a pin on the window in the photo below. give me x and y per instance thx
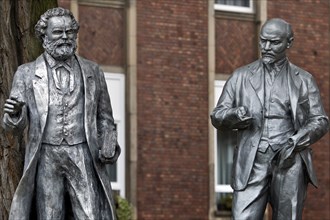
(224, 149)
(116, 88)
(243, 6)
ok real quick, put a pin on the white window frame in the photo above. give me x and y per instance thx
(219, 188)
(116, 88)
(234, 8)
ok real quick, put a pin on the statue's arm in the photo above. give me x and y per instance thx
(15, 110)
(317, 123)
(107, 134)
(226, 114)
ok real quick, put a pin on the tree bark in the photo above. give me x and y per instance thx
(18, 45)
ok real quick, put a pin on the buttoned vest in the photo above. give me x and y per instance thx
(65, 120)
(278, 126)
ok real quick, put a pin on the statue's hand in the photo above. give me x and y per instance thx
(13, 106)
(110, 160)
(303, 143)
(286, 156)
(241, 112)
(243, 116)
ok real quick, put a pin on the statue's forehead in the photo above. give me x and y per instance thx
(273, 30)
(59, 21)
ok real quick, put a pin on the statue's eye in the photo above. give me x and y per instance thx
(57, 32)
(71, 31)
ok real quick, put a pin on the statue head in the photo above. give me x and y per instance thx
(276, 36)
(57, 29)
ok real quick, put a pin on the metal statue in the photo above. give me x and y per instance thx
(276, 109)
(64, 101)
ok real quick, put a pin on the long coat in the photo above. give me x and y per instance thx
(30, 85)
(245, 88)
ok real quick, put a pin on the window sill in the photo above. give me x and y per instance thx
(223, 215)
(104, 3)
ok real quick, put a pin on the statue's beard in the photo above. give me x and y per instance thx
(268, 59)
(60, 49)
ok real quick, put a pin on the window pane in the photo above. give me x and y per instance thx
(116, 89)
(243, 3)
(225, 151)
(113, 172)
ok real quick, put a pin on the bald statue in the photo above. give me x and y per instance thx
(276, 109)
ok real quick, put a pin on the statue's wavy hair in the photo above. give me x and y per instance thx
(41, 26)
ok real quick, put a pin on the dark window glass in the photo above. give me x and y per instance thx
(242, 3)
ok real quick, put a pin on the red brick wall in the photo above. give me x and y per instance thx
(310, 22)
(101, 34)
(64, 4)
(236, 44)
(172, 92)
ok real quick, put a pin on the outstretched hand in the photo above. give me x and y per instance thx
(13, 106)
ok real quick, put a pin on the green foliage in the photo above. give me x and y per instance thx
(225, 202)
(123, 208)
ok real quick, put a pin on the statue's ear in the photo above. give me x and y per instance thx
(290, 42)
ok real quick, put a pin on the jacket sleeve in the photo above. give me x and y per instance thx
(106, 128)
(224, 114)
(18, 122)
(315, 123)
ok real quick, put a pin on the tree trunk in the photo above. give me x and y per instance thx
(18, 45)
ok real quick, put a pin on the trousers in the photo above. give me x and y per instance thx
(283, 187)
(67, 172)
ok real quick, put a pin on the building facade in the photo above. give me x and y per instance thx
(165, 63)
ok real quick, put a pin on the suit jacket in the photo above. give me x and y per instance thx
(30, 85)
(245, 88)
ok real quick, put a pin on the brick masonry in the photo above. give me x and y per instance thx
(236, 44)
(102, 34)
(172, 92)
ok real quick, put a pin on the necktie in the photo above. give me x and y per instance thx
(272, 74)
(64, 78)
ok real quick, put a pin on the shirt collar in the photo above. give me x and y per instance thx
(53, 63)
(279, 64)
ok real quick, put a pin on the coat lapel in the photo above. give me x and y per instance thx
(88, 79)
(89, 89)
(40, 89)
(294, 85)
(257, 80)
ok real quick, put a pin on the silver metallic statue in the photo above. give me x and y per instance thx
(277, 111)
(64, 101)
